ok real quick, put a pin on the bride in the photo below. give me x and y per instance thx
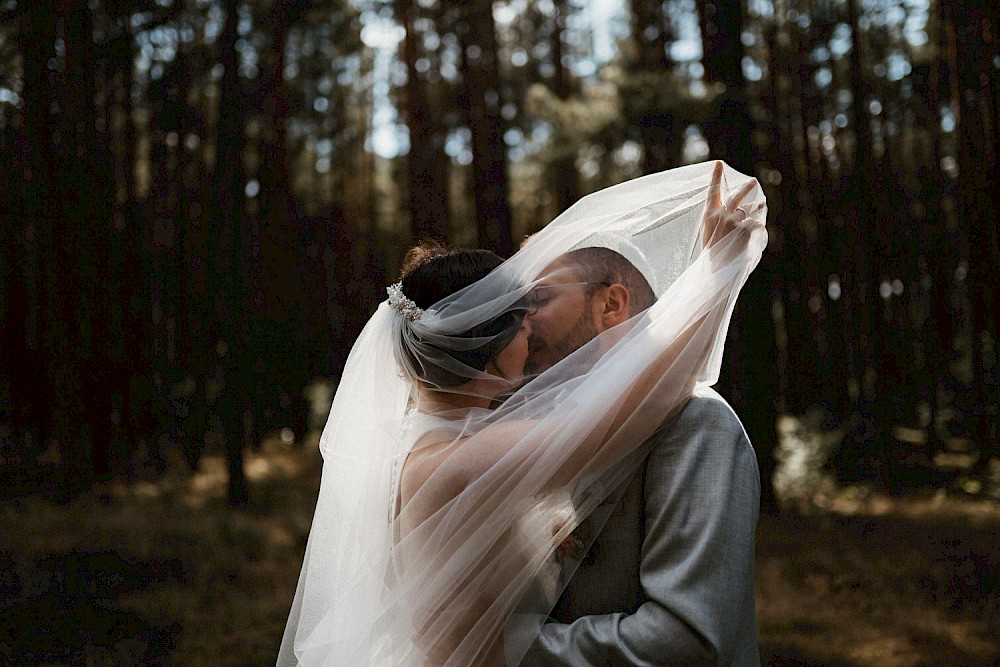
(451, 485)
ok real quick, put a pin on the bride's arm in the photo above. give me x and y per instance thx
(719, 222)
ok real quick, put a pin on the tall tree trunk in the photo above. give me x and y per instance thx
(659, 130)
(284, 272)
(979, 169)
(651, 34)
(482, 101)
(42, 215)
(22, 373)
(231, 292)
(113, 293)
(427, 164)
(133, 271)
(749, 376)
(940, 234)
(731, 132)
(89, 207)
(566, 178)
(866, 443)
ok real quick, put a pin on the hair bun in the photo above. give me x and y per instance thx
(420, 254)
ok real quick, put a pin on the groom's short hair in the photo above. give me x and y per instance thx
(603, 265)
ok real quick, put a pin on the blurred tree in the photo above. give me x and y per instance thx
(972, 26)
(939, 245)
(176, 234)
(88, 200)
(563, 176)
(427, 164)
(231, 291)
(730, 131)
(556, 116)
(131, 357)
(289, 320)
(481, 101)
(804, 174)
(22, 375)
(647, 92)
(58, 117)
(332, 100)
(866, 443)
(40, 206)
(749, 375)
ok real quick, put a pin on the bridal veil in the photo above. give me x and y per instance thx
(377, 587)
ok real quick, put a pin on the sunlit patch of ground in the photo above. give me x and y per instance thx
(160, 573)
(164, 573)
(905, 587)
(853, 576)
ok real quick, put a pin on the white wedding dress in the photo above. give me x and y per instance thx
(549, 515)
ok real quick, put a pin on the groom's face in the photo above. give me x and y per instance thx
(562, 316)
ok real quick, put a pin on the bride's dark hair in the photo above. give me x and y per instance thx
(432, 271)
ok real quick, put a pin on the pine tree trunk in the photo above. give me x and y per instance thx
(749, 374)
(482, 100)
(978, 170)
(427, 164)
(232, 296)
(566, 178)
(866, 444)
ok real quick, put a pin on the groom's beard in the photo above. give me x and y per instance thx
(543, 355)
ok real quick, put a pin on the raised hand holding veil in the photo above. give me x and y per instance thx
(387, 581)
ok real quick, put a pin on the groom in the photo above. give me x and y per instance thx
(669, 580)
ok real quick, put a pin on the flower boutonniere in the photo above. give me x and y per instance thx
(576, 543)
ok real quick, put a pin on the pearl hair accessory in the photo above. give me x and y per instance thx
(406, 307)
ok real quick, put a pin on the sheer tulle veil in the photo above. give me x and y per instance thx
(378, 587)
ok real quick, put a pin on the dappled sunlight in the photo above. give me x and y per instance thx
(800, 482)
(209, 481)
(167, 560)
(853, 575)
(885, 582)
(937, 507)
(804, 483)
(278, 458)
(807, 618)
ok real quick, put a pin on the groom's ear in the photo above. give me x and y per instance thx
(616, 305)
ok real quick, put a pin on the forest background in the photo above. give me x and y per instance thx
(202, 201)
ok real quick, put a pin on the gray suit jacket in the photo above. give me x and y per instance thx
(670, 578)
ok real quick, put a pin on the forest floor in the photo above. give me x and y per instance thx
(164, 573)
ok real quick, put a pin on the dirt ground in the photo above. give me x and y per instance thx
(898, 583)
(164, 574)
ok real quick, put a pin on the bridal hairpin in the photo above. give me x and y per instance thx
(406, 307)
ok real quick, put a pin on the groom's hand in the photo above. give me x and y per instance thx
(719, 220)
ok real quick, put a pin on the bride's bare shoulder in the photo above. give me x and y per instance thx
(429, 453)
(449, 462)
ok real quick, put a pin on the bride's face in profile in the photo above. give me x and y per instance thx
(509, 364)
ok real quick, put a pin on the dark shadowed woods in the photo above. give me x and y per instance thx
(201, 202)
